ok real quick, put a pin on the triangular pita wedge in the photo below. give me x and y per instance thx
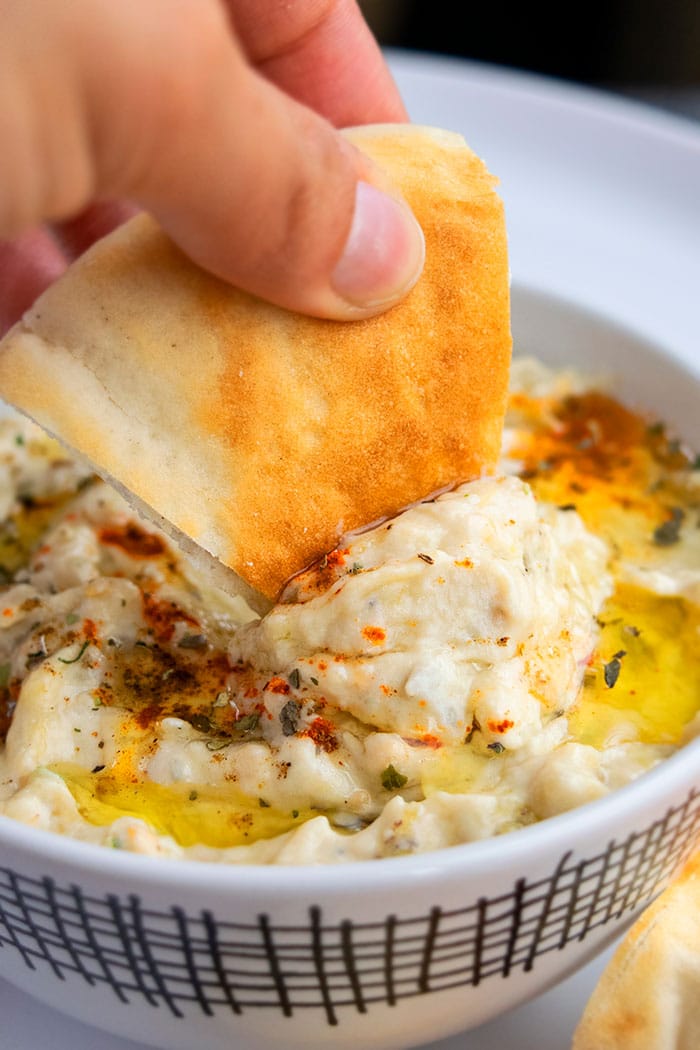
(648, 997)
(261, 435)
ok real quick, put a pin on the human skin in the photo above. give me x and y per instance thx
(219, 118)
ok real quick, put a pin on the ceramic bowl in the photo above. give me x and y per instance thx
(381, 954)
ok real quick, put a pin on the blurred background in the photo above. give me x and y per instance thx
(649, 49)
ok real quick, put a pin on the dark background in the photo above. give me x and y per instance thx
(649, 48)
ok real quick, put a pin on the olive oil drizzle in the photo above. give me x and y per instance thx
(216, 816)
(653, 642)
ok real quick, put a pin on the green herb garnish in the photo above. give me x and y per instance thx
(294, 678)
(193, 641)
(75, 659)
(669, 532)
(392, 780)
(247, 724)
(289, 717)
(201, 723)
(611, 671)
(219, 744)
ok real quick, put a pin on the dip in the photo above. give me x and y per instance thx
(511, 649)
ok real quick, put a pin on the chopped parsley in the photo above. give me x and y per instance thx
(392, 780)
(247, 724)
(611, 671)
(289, 717)
(294, 678)
(219, 744)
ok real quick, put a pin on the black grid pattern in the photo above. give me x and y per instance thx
(178, 961)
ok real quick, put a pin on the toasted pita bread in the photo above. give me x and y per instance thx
(260, 435)
(647, 997)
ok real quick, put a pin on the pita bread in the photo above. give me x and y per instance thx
(647, 998)
(260, 435)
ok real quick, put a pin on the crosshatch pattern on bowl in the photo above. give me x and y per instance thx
(180, 961)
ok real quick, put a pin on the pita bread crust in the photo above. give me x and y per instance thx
(259, 434)
(647, 997)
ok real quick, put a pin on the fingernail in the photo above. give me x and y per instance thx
(384, 253)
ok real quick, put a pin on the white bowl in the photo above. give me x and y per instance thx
(387, 953)
(395, 952)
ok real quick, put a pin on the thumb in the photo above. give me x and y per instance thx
(268, 195)
(160, 105)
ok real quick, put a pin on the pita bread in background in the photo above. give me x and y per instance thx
(259, 435)
(648, 997)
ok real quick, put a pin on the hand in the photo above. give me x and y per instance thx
(219, 119)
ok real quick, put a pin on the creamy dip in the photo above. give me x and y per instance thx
(507, 651)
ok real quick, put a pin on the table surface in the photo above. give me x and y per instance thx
(547, 1022)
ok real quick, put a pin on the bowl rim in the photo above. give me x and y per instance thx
(645, 118)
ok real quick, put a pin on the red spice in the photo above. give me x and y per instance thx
(374, 635)
(499, 727)
(323, 573)
(336, 558)
(149, 715)
(90, 629)
(162, 616)
(426, 740)
(132, 539)
(277, 685)
(322, 732)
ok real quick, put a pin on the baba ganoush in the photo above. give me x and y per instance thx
(504, 652)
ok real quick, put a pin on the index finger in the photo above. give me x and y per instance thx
(323, 53)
